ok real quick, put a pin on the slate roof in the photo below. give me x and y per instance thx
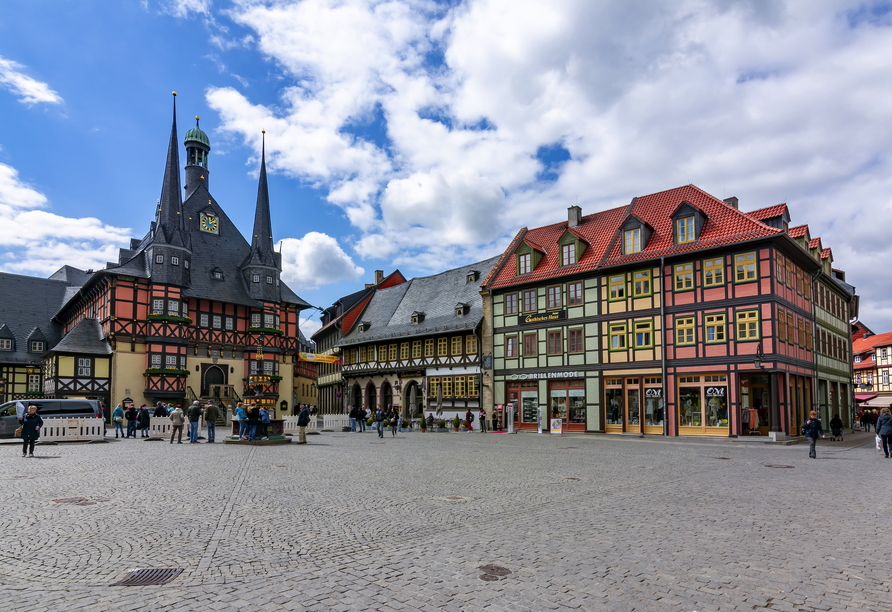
(390, 310)
(28, 303)
(725, 225)
(84, 338)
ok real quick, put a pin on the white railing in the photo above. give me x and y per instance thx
(335, 421)
(290, 424)
(159, 427)
(61, 429)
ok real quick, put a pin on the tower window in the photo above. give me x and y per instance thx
(174, 261)
(159, 258)
(255, 278)
(186, 263)
(269, 280)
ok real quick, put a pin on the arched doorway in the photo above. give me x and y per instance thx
(386, 396)
(212, 376)
(413, 406)
(370, 397)
(356, 395)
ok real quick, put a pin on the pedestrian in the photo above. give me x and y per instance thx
(194, 414)
(211, 414)
(861, 419)
(303, 419)
(395, 418)
(812, 430)
(380, 415)
(31, 424)
(253, 421)
(884, 430)
(482, 416)
(469, 418)
(145, 419)
(264, 423)
(118, 418)
(160, 410)
(361, 419)
(313, 410)
(353, 414)
(132, 421)
(836, 428)
(177, 418)
(242, 415)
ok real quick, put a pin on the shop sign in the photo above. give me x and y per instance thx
(417, 374)
(715, 392)
(537, 375)
(653, 393)
(557, 427)
(543, 317)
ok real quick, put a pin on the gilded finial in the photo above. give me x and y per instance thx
(263, 131)
(174, 93)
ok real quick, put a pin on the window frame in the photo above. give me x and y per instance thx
(717, 321)
(530, 344)
(577, 289)
(524, 263)
(632, 241)
(568, 254)
(738, 267)
(679, 273)
(742, 317)
(649, 281)
(686, 326)
(618, 332)
(683, 233)
(709, 265)
(555, 343)
(511, 305)
(511, 347)
(526, 295)
(554, 297)
(618, 282)
(576, 340)
(643, 327)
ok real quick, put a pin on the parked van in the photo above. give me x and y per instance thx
(11, 412)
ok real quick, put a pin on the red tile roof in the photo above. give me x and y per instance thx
(799, 231)
(769, 212)
(861, 344)
(725, 225)
(815, 243)
(825, 253)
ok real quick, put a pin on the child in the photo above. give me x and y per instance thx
(836, 428)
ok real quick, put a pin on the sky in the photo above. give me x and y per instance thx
(421, 136)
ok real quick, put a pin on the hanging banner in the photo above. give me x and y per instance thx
(318, 358)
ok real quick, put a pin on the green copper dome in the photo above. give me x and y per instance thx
(196, 134)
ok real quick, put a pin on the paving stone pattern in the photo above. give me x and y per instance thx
(350, 522)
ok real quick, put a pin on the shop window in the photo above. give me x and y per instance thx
(747, 325)
(567, 403)
(470, 345)
(511, 346)
(745, 268)
(554, 297)
(684, 331)
(429, 347)
(391, 352)
(404, 351)
(511, 303)
(617, 287)
(617, 337)
(456, 345)
(442, 347)
(574, 341)
(684, 277)
(574, 294)
(644, 334)
(416, 349)
(714, 328)
(529, 300)
(555, 343)
(641, 283)
(713, 272)
(529, 345)
(613, 397)
(703, 403)
(632, 241)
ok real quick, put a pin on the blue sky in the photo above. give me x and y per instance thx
(423, 135)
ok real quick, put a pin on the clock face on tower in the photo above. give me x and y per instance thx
(209, 223)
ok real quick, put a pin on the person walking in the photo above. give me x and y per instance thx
(482, 416)
(836, 428)
(177, 418)
(132, 421)
(194, 414)
(812, 430)
(395, 417)
(242, 415)
(264, 423)
(380, 415)
(303, 419)
(211, 414)
(884, 430)
(31, 424)
(118, 418)
(145, 419)
(469, 419)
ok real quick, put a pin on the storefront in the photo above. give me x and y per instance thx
(703, 405)
(554, 395)
(634, 404)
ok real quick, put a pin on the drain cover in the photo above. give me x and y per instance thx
(494, 570)
(146, 577)
(780, 466)
(489, 577)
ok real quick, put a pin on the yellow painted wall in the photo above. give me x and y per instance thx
(66, 367)
(127, 376)
(102, 365)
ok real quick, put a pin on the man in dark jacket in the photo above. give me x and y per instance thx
(352, 415)
(303, 419)
(380, 415)
(194, 414)
(132, 421)
(812, 430)
(211, 415)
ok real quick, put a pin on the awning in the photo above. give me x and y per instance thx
(879, 402)
(864, 397)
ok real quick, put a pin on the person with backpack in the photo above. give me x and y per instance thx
(118, 418)
(380, 415)
(469, 418)
(884, 430)
(812, 430)
(303, 419)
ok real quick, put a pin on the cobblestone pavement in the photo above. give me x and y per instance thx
(350, 522)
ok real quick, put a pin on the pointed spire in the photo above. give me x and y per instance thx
(170, 206)
(262, 252)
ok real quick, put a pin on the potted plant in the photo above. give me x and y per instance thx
(464, 426)
(441, 425)
(423, 424)
(456, 422)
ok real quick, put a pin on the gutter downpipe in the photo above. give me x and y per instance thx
(663, 350)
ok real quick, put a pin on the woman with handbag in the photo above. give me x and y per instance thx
(118, 418)
(31, 424)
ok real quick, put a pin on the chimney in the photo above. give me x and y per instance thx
(732, 201)
(379, 276)
(574, 216)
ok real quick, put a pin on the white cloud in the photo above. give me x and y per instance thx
(769, 101)
(309, 326)
(315, 260)
(29, 90)
(183, 8)
(40, 242)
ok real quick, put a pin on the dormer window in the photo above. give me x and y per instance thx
(364, 326)
(568, 254)
(688, 223)
(632, 241)
(417, 317)
(523, 263)
(572, 246)
(461, 309)
(217, 274)
(5, 344)
(473, 275)
(37, 346)
(528, 257)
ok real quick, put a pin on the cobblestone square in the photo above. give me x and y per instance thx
(352, 522)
